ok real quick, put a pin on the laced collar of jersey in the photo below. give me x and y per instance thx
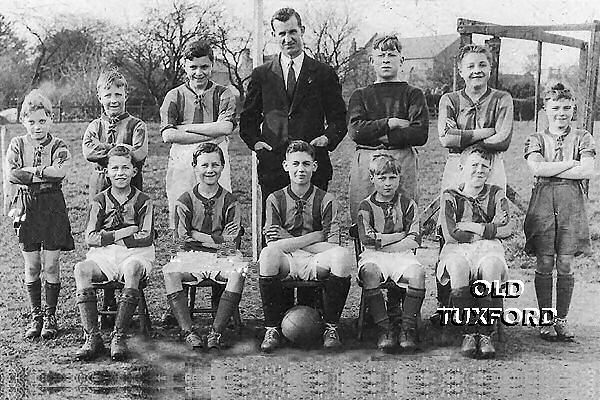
(199, 96)
(209, 203)
(115, 120)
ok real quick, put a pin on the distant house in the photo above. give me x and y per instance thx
(423, 56)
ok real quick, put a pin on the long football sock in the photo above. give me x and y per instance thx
(543, 289)
(462, 299)
(88, 310)
(395, 298)
(34, 291)
(228, 303)
(376, 306)
(271, 294)
(179, 308)
(127, 303)
(336, 292)
(564, 292)
(412, 307)
(52, 292)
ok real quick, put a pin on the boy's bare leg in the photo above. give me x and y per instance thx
(85, 273)
(33, 266)
(52, 289)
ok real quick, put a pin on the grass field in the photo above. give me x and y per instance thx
(162, 368)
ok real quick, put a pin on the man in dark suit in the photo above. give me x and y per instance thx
(295, 98)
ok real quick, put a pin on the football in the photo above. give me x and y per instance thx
(302, 325)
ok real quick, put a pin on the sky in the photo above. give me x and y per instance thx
(408, 18)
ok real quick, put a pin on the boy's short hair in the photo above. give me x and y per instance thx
(300, 146)
(556, 92)
(284, 14)
(197, 49)
(120, 151)
(486, 155)
(382, 163)
(473, 48)
(34, 101)
(387, 43)
(111, 76)
(207, 148)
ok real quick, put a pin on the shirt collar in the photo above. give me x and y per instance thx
(285, 62)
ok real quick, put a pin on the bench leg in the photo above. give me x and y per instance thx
(361, 316)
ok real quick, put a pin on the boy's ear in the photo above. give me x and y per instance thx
(285, 165)
(135, 171)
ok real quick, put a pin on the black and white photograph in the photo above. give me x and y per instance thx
(269, 199)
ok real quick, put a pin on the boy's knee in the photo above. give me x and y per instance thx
(132, 270)
(458, 270)
(545, 264)
(269, 261)
(416, 272)
(370, 276)
(491, 268)
(82, 273)
(340, 261)
(563, 264)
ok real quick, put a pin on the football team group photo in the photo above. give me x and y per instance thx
(371, 209)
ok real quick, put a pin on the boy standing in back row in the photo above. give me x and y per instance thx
(389, 116)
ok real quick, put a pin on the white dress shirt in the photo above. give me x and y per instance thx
(285, 65)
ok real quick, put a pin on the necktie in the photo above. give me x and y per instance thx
(207, 221)
(388, 217)
(291, 81)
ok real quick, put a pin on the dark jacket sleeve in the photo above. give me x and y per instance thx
(335, 109)
(418, 115)
(252, 113)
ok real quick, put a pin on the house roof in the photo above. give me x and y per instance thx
(422, 47)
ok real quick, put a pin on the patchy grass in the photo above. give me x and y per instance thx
(46, 368)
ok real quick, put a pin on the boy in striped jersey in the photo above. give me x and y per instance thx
(474, 216)
(120, 233)
(205, 216)
(388, 226)
(302, 234)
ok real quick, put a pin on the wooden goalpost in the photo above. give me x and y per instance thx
(256, 192)
(589, 54)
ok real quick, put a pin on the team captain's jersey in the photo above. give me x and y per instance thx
(398, 215)
(459, 116)
(108, 215)
(195, 212)
(315, 211)
(457, 207)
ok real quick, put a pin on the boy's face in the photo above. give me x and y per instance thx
(559, 112)
(113, 99)
(476, 170)
(208, 168)
(300, 166)
(386, 184)
(386, 63)
(289, 36)
(475, 69)
(120, 170)
(37, 124)
(198, 71)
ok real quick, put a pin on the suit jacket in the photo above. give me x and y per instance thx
(317, 108)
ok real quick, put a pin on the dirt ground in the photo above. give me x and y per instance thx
(161, 366)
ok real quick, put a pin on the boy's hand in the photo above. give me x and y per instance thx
(129, 230)
(398, 123)
(276, 232)
(500, 218)
(321, 141)
(262, 146)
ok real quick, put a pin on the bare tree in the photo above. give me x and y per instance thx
(13, 58)
(153, 53)
(234, 48)
(329, 37)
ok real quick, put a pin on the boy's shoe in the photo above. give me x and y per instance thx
(118, 346)
(272, 340)
(213, 340)
(486, 346)
(194, 340)
(35, 327)
(92, 347)
(386, 340)
(50, 327)
(547, 332)
(563, 331)
(468, 347)
(408, 338)
(331, 337)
